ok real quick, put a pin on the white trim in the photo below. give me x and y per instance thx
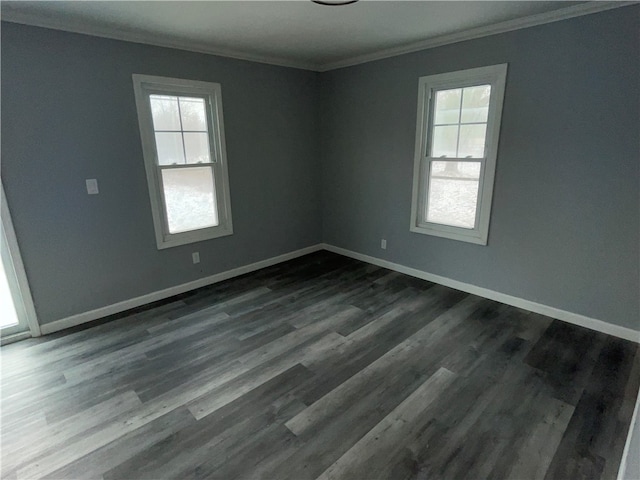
(574, 318)
(570, 317)
(622, 471)
(495, 76)
(579, 10)
(146, 85)
(105, 311)
(18, 266)
(16, 337)
(70, 25)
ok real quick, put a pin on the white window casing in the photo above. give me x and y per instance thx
(450, 159)
(183, 143)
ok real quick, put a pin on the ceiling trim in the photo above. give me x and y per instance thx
(150, 39)
(502, 27)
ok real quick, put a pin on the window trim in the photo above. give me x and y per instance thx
(495, 75)
(27, 317)
(146, 85)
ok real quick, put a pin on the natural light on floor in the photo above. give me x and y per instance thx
(8, 315)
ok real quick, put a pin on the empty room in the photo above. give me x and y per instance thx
(332, 239)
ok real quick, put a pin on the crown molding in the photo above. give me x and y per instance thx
(479, 32)
(148, 39)
(73, 26)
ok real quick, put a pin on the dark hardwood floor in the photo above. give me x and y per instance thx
(321, 367)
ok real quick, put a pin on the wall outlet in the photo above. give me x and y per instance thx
(383, 244)
(195, 256)
(92, 186)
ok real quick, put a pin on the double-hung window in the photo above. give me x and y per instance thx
(182, 132)
(456, 147)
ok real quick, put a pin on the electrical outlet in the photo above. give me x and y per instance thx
(383, 244)
(92, 186)
(196, 257)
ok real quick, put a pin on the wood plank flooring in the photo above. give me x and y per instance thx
(321, 367)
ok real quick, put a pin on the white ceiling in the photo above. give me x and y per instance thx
(296, 32)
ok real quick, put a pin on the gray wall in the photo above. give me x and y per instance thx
(565, 222)
(565, 218)
(68, 113)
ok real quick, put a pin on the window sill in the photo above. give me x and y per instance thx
(192, 237)
(473, 236)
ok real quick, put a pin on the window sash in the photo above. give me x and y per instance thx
(423, 200)
(431, 124)
(211, 119)
(165, 208)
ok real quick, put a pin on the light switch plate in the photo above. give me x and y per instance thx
(92, 186)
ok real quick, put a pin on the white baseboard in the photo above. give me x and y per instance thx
(570, 317)
(16, 337)
(634, 430)
(102, 312)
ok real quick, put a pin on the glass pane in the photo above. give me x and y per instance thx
(447, 107)
(164, 110)
(194, 115)
(475, 103)
(196, 146)
(472, 138)
(453, 193)
(169, 146)
(190, 198)
(444, 141)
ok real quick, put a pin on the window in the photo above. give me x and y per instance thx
(182, 132)
(456, 146)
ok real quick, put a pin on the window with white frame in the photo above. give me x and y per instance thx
(456, 147)
(182, 132)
